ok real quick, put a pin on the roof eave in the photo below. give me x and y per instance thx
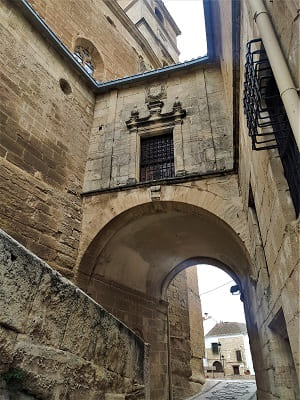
(98, 87)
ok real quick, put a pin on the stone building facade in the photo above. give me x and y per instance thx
(227, 351)
(75, 192)
(48, 174)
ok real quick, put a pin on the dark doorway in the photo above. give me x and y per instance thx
(218, 366)
(236, 370)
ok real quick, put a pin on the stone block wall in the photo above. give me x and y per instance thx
(196, 327)
(202, 139)
(147, 317)
(286, 20)
(273, 226)
(44, 140)
(105, 25)
(67, 345)
(229, 346)
(186, 334)
(180, 340)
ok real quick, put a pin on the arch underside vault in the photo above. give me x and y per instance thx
(136, 247)
(145, 247)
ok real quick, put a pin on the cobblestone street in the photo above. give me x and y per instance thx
(228, 390)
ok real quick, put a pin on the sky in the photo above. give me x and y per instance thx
(189, 16)
(219, 303)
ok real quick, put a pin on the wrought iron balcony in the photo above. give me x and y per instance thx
(267, 121)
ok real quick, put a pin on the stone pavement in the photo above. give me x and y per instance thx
(228, 390)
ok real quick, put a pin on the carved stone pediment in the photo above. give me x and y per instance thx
(155, 117)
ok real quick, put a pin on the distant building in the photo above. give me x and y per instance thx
(227, 350)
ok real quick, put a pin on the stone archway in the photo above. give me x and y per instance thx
(147, 245)
(127, 264)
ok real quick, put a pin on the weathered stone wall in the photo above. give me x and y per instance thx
(105, 25)
(196, 327)
(44, 140)
(124, 263)
(285, 18)
(202, 142)
(229, 346)
(186, 334)
(273, 226)
(43, 144)
(147, 317)
(66, 344)
(177, 296)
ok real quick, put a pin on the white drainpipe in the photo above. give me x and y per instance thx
(285, 84)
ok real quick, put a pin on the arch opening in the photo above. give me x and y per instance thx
(133, 258)
(89, 57)
(146, 246)
(210, 322)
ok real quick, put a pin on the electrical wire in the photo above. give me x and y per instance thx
(218, 287)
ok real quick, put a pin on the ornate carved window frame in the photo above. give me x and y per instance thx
(156, 123)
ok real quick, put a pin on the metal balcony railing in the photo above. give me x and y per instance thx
(267, 121)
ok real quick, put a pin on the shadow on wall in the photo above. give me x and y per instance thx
(145, 247)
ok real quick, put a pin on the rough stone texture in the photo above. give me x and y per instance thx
(274, 230)
(44, 139)
(130, 252)
(186, 334)
(222, 41)
(179, 336)
(285, 17)
(196, 326)
(68, 346)
(205, 210)
(147, 317)
(103, 25)
(202, 140)
(43, 144)
(229, 346)
(141, 237)
(10, 392)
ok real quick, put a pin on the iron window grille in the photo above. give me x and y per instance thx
(215, 348)
(238, 355)
(267, 121)
(157, 158)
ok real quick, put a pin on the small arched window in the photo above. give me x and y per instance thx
(159, 15)
(83, 56)
(88, 56)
